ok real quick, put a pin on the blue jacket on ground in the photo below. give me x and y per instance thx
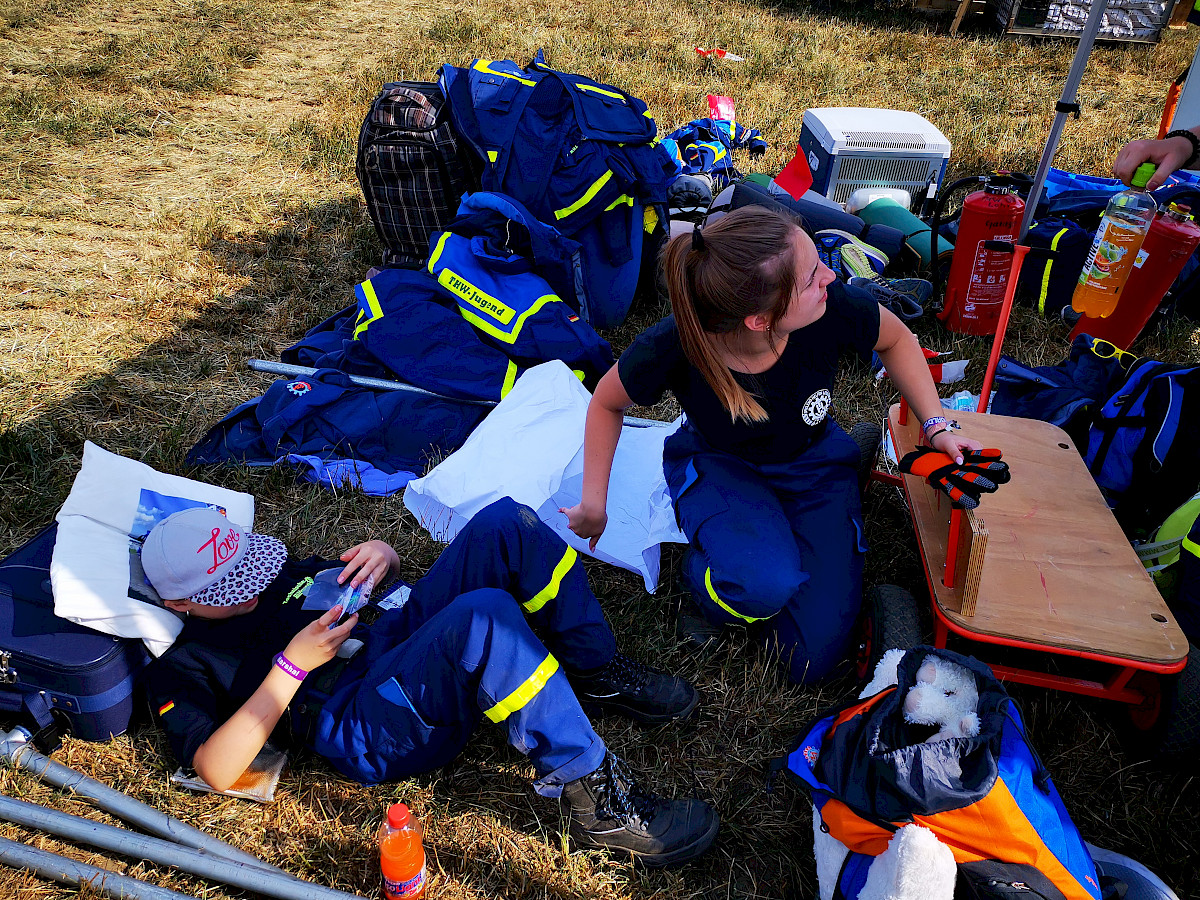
(357, 432)
(706, 145)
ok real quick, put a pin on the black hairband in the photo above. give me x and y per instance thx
(697, 238)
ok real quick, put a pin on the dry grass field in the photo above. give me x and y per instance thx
(177, 195)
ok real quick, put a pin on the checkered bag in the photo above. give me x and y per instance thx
(411, 169)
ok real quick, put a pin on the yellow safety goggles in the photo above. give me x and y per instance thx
(1108, 350)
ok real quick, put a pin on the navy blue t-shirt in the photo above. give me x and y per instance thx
(216, 664)
(795, 392)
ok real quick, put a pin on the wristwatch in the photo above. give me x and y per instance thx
(1192, 139)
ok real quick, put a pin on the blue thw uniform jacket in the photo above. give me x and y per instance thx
(705, 145)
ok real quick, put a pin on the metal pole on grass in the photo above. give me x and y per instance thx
(160, 852)
(383, 384)
(15, 747)
(77, 874)
(1066, 105)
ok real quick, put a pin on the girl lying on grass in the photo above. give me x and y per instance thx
(460, 648)
(765, 484)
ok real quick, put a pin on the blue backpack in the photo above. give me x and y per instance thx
(988, 797)
(581, 156)
(1144, 440)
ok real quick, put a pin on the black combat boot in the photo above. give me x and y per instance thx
(634, 690)
(609, 810)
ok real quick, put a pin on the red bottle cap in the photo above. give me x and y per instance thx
(397, 816)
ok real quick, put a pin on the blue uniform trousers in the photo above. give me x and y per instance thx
(775, 546)
(462, 650)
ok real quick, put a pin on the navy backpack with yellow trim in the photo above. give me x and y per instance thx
(988, 798)
(1051, 270)
(581, 156)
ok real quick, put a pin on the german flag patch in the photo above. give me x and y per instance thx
(572, 318)
(166, 707)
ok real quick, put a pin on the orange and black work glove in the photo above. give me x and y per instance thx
(981, 472)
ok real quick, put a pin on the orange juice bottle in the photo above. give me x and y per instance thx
(1115, 248)
(401, 855)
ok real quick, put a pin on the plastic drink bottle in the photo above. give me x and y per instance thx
(1115, 248)
(1170, 242)
(401, 855)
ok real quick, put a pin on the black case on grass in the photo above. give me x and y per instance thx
(54, 672)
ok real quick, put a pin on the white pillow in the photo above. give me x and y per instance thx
(96, 570)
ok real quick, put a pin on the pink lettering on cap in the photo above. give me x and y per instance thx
(222, 550)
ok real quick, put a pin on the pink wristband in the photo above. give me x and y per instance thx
(291, 668)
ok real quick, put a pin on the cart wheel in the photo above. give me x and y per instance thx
(1167, 722)
(889, 619)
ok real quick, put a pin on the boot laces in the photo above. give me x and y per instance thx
(618, 794)
(627, 673)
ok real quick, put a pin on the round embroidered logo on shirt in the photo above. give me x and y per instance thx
(815, 407)
(299, 388)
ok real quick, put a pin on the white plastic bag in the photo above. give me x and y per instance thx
(530, 448)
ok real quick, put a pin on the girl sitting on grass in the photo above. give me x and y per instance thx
(765, 485)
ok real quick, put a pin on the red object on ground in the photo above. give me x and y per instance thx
(401, 855)
(720, 107)
(978, 275)
(1172, 238)
(796, 177)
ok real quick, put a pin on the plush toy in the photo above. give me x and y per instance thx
(944, 695)
(916, 865)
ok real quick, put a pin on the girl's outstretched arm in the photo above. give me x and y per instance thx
(223, 758)
(605, 415)
(901, 353)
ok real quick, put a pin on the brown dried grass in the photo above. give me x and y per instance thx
(179, 196)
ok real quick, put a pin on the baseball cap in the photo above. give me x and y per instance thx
(199, 555)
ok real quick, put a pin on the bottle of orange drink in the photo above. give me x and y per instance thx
(1115, 248)
(401, 855)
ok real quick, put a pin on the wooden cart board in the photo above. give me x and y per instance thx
(1055, 568)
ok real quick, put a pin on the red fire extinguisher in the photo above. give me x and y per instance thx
(1170, 242)
(978, 274)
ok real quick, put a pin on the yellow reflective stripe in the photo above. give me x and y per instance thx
(1046, 274)
(361, 325)
(650, 115)
(586, 198)
(537, 304)
(623, 199)
(1188, 544)
(526, 692)
(721, 154)
(721, 603)
(493, 155)
(599, 90)
(578, 373)
(650, 219)
(484, 65)
(550, 591)
(510, 378)
(437, 251)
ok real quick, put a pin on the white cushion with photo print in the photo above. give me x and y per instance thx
(96, 570)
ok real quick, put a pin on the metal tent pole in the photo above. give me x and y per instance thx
(1066, 105)
(15, 748)
(291, 370)
(77, 874)
(160, 852)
